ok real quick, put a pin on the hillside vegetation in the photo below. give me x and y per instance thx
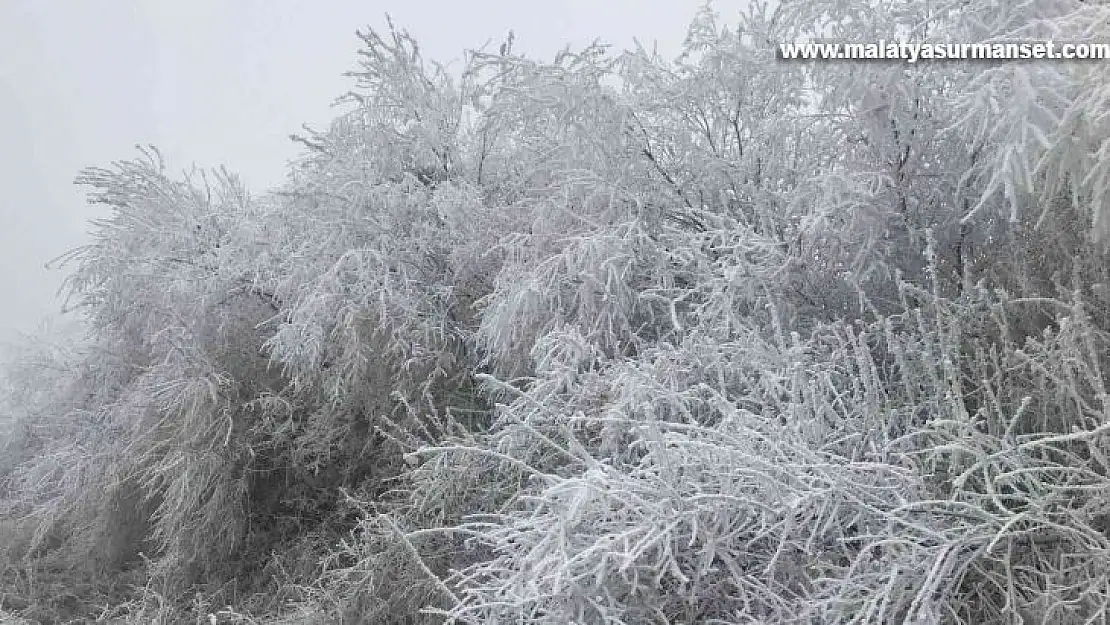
(607, 339)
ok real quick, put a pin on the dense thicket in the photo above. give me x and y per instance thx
(607, 339)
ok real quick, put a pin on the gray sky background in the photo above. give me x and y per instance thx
(219, 82)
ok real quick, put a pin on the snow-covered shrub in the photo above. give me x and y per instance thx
(604, 339)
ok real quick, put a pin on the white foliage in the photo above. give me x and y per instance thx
(616, 339)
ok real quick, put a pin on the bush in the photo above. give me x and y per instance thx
(606, 339)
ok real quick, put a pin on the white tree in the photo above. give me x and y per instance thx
(613, 339)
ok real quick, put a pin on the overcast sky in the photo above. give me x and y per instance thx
(218, 82)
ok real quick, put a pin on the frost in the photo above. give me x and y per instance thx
(603, 339)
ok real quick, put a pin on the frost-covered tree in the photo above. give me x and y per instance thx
(608, 338)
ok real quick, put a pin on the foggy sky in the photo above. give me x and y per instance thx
(218, 82)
